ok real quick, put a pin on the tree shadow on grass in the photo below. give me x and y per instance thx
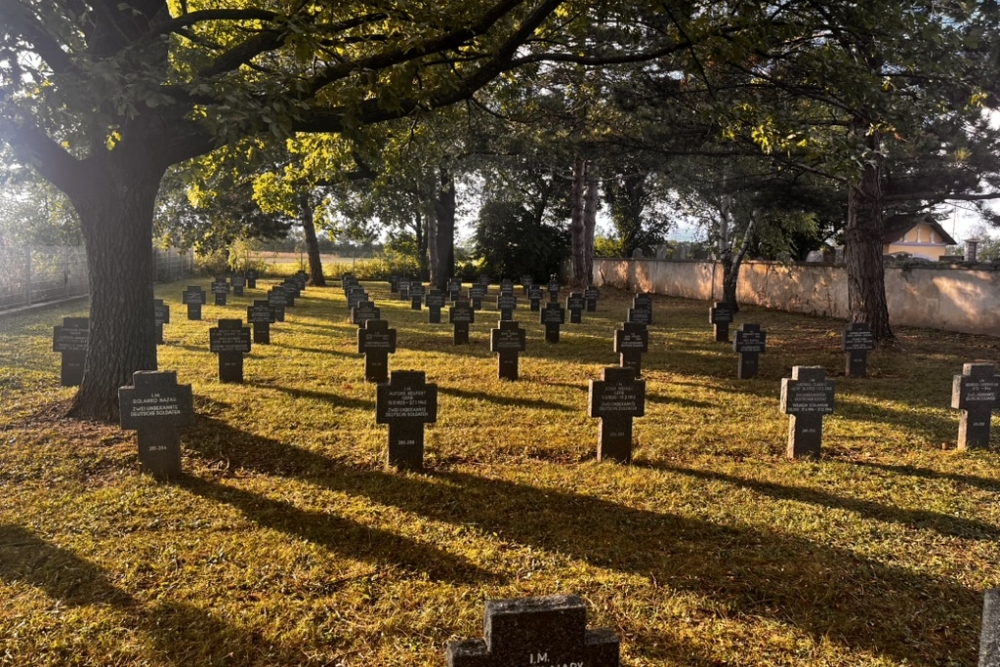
(984, 483)
(533, 403)
(829, 592)
(327, 529)
(335, 400)
(182, 633)
(943, 524)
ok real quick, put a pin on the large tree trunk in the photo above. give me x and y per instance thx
(731, 264)
(444, 211)
(577, 225)
(115, 198)
(863, 246)
(590, 223)
(312, 243)
(433, 265)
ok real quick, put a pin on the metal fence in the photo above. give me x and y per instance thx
(34, 275)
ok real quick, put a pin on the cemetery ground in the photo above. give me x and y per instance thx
(287, 541)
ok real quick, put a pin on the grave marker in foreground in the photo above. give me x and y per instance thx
(376, 341)
(406, 403)
(616, 398)
(857, 342)
(989, 638)
(805, 398)
(230, 340)
(157, 407)
(536, 632)
(750, 342)
(70, 338)
(508, 340)
(977, 394)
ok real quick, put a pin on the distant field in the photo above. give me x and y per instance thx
(279, 258)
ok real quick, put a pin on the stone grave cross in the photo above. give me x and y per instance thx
(376, 341)
(194, 298)
(720, 315)
(535, 298)
(161, 316)
(616, 398)
(591, 294)
(278, 300)
(70, 338)
(631, 342)
(749, 343)
(806, 398)
(508, 340)
(406, 403)
(220, 288)
(364, 311)
(238, 281)
(575, 303)
(536, 632)
(461, 315)
(261, 316)
(434, 300)
(507, 304)
(157, 407)
(552, 316)
(230, 340)
(977, 394)
(989, 637)
(857, 342)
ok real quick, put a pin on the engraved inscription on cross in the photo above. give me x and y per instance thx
(161, 316)
(507, 304)
(858, 341)
(750, 342)
(631, 342)
(536, 632)
(363, 311)
(251, 275)
(591, 295)
(416, 296)
(477, 293)
(806, 398)
(616, 398)
(278, 300)
(461, 315)
(194, 298)
(535, 297)
(575, 303)
(230, 340)
(261, 316)
(157, 407)
(70, 338)
(406, 403)
(376, 341)
(508, 340)
(720, 315)
(220, 288)
(238, 282)
(434, 300)
(976, 393)
(552, 316)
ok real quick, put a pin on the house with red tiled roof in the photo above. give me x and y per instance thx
(919, 235)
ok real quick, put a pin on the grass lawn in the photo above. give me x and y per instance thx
(288, 542)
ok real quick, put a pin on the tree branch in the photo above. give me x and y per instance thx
(21, 22)
(37, 149)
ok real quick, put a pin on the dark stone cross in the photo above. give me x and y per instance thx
(554, 291)
(616, 398)
(506, 304)
(277, 298)
(484, 280)
(230, 340)
(858, 341)
(238, 282)
(750, 342)
(977, 394)
(575, 304)
(404, 289)
(434, 300)
(526, 283)
(161, 316)
(507, 285)
(393, 283)
(251, 275)
(364, 311)
(406, 403)
(591, 294)
(535, 298)
(806, 397)
(157, 407)
(552, 316)
(643, 302)
(261, 316)
(301, 278)
(720, 315)
(989, 637)
(291, 290)
(70, 338)
(631, 342)
(220, 288)
(508, 340)
(461, 315)
(194, 298)
(416, 296)
(476, 295)
(536, 632)
(640, 316)
(355, 295)
(454, 289)
(376, 341)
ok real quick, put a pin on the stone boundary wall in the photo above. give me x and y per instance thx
(948, 297)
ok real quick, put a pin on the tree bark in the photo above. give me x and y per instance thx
(590, 224)
(577, 225)
(731, 265)
(115, 198)
(433, 265)
(444, 211)
(863, 246)
(312, 243)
